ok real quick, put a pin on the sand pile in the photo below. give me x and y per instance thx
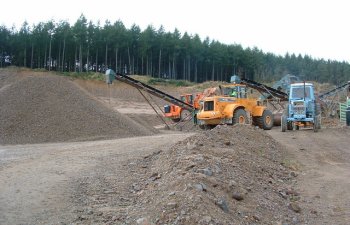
(47, 108)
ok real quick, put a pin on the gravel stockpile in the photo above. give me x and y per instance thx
(41, 108)
(227, 175)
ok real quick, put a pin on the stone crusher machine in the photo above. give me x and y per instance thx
(111, 75)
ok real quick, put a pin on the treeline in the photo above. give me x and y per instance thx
(86, 46)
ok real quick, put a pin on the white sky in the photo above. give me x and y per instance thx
(319, 28)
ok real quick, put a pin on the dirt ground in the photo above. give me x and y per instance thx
(323, 160)
(228, 175)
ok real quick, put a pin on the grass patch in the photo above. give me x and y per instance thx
(177, 83)
(84, 75)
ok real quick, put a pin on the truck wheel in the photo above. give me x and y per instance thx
(176, 120)
(317, 124)
(240, 117)
(290, 126)
(185, 115)
(266, 120)
(283, 123)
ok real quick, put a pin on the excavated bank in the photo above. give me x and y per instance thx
(47, 108)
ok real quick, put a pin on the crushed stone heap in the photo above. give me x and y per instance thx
(227, 175)
(48, 108)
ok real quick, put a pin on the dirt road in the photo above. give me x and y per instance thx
(324, 178)
(38, 182)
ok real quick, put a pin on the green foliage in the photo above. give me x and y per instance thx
(177, 83)
(84, 76)
(184, 57)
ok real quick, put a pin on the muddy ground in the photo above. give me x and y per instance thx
(228, 175)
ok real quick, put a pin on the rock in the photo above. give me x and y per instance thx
(293, 174)
(256, 218)
(171, 205)
(222, 204)
(206, 219)
(232, 184)
(200, 187)
(227, 143)
(206, 171)
(155, 176)
(295, 207)
(143, 221)
(238, 196)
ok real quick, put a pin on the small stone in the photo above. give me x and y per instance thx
(256, 217)
(222, 204)
(200, 187)
(227, 143)
(172, 193)
(206, 171)
(206, 219)
(171, 205)
(295, 207)
(238, 196)
(143, 221)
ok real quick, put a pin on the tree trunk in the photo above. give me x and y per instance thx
(129, 61)
(87, 59)
(195, 72)
(189, 69)
(96, 61)
(32, 57)
(159, 62)
(184, 70)
(25, 56)
(142, 65)
(80, 59)
(116, 60)
(173, 70)
(75, 59)
(106, 57)
(50, 61)
(59, 58)
(213, 72)
(63, 53)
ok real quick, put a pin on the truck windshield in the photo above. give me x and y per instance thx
(298, 92)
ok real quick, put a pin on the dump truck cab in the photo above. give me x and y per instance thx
(233, 106)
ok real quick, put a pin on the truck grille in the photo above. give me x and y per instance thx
(298, 108)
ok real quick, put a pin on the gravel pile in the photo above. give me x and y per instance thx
(42, 108)
(228, 175)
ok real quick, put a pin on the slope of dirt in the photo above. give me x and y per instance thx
(48, 108)
(228, 175)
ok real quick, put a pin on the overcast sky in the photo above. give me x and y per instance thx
(319, 28)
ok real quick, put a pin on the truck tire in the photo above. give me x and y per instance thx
(266, 120)
(283, 123)
(185, 115)
(240, 117)
(175, 120)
